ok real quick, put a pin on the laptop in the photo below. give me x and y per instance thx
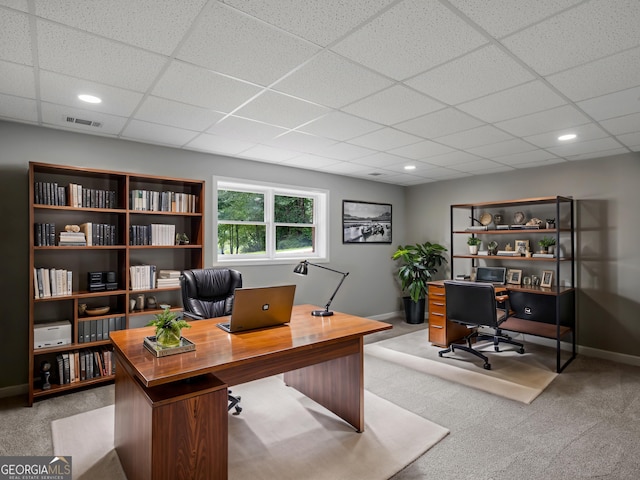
(494, 275)
(260, 307)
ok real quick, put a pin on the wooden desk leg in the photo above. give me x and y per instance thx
(337, 385)
(172, 431)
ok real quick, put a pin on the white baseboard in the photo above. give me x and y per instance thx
(386, 316)
(14, 390)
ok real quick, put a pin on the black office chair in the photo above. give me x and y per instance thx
(475, 304)
(209, 293)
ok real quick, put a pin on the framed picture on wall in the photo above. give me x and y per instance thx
(366, 222)
(547, 278)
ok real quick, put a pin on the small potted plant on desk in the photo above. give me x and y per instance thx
(168, 328)
(474, 244)
(547, 244)
(419, 263)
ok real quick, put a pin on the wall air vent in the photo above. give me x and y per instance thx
(81, 121)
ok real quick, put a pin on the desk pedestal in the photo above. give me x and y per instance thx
(173, 430)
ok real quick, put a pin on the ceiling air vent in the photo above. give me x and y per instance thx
(81, 121)
(375, 174)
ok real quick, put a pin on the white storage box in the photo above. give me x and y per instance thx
(52, 334)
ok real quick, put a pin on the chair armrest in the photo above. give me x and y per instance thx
(502, 298)
(192, 316)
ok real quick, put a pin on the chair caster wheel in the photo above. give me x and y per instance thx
(496, 349)
(440, 354)
(237, 412)
(487, 366)
(521, 351)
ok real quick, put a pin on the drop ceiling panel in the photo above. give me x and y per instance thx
(385, 139)
(621, 125)
(16, 4)
(245, 129)
(57, 115)
(613, 105)
(283, 110)
(630, 139)
(394, 105)
(156, 25)
(589, 131)
(20, 109)
(300, 142)
(425, 33)
(452, 159)
(487, 70)
(381, 160)
(17, 79)
(236, 44)
(499, 149)
(219, 144)
(176, 114)
(482, 165)
(340, 126)
(440, 123)
(269, 154)
(421, 150)
(160, 134)
(15, 37)
(474, 137)
(525, 157)
(345, 151)
(597, 154)
(546, 121)
(331, 80)
(585, 147)
(310, 161)
(345, 168)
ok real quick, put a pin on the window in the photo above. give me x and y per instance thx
(259, 222)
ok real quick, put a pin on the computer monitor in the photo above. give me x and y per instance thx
(495, 275)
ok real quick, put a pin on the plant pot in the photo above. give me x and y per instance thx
(414, 311)
(473, 249)
(168, 337)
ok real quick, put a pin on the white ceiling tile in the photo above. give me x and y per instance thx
(309, 161)
(279, 109)
(381, 160)
(540, 163)
(482, 166)
(474, 137)
(525, 157)
(425, 34)
(57, 115)
(630, 139)
(589, 131)
(269, 154)
(16, 79)
(420, 150)
(81, 55)
(394, 105)
(551, 120)
(621, 125)
(345, 151)
(385, 139)
(15, 38)
(344, 168)
(436, 172)
(579, 148)
(16, 4)
(453, 158)
(437, 124)
(245, 129)
(420, 168)
(331, 80)
(160, 134)
(579, 35)
(598, 154)
(514, 102)
(340, 126)
(21, 109)
(219, 144)
(607, 75)
(318, 22)
(235, 44)
(198, 86)
(56, 88)
(156, 25)
(501, 17)
(300, 142)
(613, 105)
(509, 147)
(478, 73)
(175, 114)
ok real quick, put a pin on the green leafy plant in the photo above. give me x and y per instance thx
(419, 263)
(473, 241)
(546, 242)
(168, 328)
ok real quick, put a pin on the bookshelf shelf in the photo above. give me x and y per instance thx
(110, 203)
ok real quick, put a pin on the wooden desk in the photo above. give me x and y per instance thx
(171, 412)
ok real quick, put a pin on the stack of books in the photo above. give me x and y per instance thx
(168, 278)
(72, 239)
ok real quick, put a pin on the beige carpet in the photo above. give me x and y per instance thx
(280, 434)
(514, 376)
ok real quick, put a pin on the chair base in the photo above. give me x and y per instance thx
(234, 402)
(497, 338)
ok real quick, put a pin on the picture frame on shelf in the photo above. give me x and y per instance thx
(521, 246)
(547, 278)
(514, 277)
(366, 222)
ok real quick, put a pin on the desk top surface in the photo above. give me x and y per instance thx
(218, 350)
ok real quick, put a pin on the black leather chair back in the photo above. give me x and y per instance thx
(209, 292)
(471, 303)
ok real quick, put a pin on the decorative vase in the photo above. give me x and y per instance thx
(169, 336)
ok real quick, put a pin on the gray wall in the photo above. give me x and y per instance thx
(370, 288)
(607, 194)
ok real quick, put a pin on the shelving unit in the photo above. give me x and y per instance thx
(117, 209)
(560, 297)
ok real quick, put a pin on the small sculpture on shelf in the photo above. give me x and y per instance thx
(45, 368)
(492, 247)
(551, 223)
(182, 239)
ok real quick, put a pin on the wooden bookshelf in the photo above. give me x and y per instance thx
(105, 198)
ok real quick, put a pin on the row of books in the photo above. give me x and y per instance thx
(99, 233)
(72, 239)
(52, 282)
(80, 365)
(154, 234)
(168, 278)
(83, 197)
(97, 330)
(143, 277)
(149, 200)
(49, 193)
(45, 234)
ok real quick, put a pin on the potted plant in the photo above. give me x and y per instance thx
(419, 262)
(168, 328)
(474, 244)
(545, 243)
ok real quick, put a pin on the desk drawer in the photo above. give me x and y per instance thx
(437, 307)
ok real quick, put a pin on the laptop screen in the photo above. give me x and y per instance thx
(491, 274)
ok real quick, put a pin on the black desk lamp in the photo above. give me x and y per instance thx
(301, 269)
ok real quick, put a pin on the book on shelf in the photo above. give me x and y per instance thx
(543, 255)
(509, 253)
(169, 273)
(143, 277)
(477, 228)
(52, 282)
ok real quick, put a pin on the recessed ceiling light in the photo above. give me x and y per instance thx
(89, 99)
(569, 136)
(410, 167)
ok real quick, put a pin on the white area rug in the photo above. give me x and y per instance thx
(514, 376)
(280, 434)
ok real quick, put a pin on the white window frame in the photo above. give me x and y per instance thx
(270, 190)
